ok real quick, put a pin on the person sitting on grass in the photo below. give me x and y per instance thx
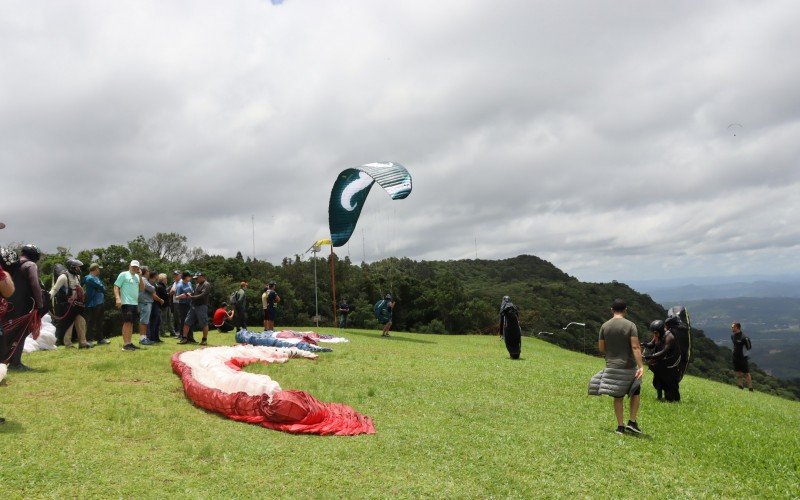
(223, 318)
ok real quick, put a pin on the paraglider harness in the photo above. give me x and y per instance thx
(382, 313)
(29, 322)
(68, 300)
(678, 324)
(510, 329)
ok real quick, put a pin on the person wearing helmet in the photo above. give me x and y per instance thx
(383, 312)
(662, 355)
(510, 330)
(25, 304)
(270, 299)
(67, 290)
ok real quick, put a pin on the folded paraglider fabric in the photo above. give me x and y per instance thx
(614, 382)
(3, 370)
(46, 340)
(311, 337)
(269, 340)
(213, 380)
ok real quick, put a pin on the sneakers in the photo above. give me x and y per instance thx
(85, 346)
(103, 342)
(633, 427)
(20, 367)
(620, 429)
(146, 342)
(130, 347)
(183, 341)
(203, 342)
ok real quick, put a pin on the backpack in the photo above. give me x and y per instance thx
(233, 300)
(381, 310)
(747, 343)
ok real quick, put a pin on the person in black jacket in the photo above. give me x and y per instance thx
(509, 327)
(741, 365)
(25, 306)
(663, 356)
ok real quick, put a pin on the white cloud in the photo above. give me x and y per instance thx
(594, 135)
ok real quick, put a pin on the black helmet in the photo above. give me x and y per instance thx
(388, 296)
(31, 252)
(74, 265)
(657, 326)
(8, 257)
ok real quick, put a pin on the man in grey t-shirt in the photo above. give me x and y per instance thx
(619, 341)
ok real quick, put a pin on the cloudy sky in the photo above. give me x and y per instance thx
(592, 134)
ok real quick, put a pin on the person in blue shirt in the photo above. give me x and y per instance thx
(183, 292)
(95, 300)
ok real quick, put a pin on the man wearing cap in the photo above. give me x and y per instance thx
(182, 297)
(126, 295)
(95, 300)
(619, 341)
(198, 313)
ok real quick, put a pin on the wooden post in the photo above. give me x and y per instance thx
(333, 288)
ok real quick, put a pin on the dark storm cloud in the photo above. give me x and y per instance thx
(591, 134)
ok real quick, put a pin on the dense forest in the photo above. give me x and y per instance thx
(437, 297)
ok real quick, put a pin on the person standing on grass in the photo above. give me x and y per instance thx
(147, 298)
(183, 292)
(25, 307)
(239, 307)
(271, 311)
(159, 281)
(95, 300)
(619, 341)
(176, 322)
(6, 290)
(663, 354)
(67, 289)
(383, 312)
(741, 365)
(344, 310)
(198, 313)
(127, 287)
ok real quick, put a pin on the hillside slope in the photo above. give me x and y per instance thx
(454, 418)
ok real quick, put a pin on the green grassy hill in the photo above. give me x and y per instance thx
(454, 417)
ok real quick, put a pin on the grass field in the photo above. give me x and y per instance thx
(454, 418)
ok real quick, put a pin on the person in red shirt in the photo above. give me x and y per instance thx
(222, 318)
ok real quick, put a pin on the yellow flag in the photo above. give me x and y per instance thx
(322, 242)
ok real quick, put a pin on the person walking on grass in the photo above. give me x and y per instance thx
(127, 287)
(383, 310)
(741, 364)
(619, 342)
(198, 313)
(95, 300)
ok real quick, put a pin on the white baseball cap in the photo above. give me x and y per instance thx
(134, 263)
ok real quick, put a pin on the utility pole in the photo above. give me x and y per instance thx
(253, 222)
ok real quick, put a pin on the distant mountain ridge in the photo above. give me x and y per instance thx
(734, 290)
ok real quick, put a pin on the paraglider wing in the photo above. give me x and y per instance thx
(350, 192)
(733, 127)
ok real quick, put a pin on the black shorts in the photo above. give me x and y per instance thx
(269, 314)
(741, 365)
(130, 313)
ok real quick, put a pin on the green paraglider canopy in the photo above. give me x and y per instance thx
(350, 192)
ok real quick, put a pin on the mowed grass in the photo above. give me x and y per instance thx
(454, 417)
